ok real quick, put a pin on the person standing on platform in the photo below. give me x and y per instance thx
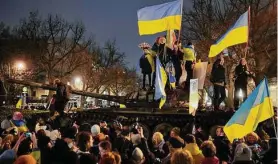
(147, 64)
(189, 58)
(241, 79)
(219, 81)
(158, 50)
(62, 96)
(176, 59)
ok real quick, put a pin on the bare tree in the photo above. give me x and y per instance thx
(56, 40)
(124, 80)
(98, 74)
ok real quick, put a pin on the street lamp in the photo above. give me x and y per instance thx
(20, 65)
(77, 80)
(78, 83)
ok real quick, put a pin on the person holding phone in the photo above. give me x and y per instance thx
(221, 143)
(242, 73)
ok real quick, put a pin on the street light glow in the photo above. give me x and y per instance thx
(240, 94)
(77, 80)
(20, 65)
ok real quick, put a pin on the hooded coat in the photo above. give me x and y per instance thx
(195, 152)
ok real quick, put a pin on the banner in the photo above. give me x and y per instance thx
(199, 73)
(194, 96)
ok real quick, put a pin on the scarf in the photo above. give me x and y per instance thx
(160, 146)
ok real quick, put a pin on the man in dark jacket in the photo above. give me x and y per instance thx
(62, 97)
(271, 154)
(219, 82)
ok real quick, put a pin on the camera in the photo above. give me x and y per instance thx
(28, 134)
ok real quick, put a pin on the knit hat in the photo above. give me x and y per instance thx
(25, 159)
(95, 130)
(17, 116)
(38, 127)
(243, 153)
(175, 143)
(54, 135)
(137, 154)
(5, 124)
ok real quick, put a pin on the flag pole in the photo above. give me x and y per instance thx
(181, 22)
(247, 44)
(274, 127)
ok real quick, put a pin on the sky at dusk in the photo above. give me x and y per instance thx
(105, 19)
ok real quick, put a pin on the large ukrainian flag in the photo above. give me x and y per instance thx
(255, 109)
(159, 18)
(237, 34)
(160, 82)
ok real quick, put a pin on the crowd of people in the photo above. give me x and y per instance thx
(180, 61)
(115, 144)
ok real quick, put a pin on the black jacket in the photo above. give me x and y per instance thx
(145, 65)
(218, 73)
(222, 144)
(124, 147)
(241, 75)
(61, 93)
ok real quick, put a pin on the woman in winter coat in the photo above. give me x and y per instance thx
(209, 151)
(161, 149)
(193, 148)
(241, 79)
(219, 82)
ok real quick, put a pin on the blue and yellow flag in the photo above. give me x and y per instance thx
(237, 34)
(122, 106)
(159, 18)
(255, 109)
(172, 80)
(19, 104)
(160, 82)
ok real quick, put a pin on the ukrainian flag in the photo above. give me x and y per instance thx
(122, 106)
(160, 82)
(159, 18)
(237, 34)
(19, 104)
(256, 108)
(172, 80)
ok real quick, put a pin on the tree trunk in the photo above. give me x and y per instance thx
(83, 98)
(230, 96)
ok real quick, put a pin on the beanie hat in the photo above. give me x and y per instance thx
(243, 153)
(95, 130)
(137, 154)
(175, 143)
(54, 135)
(5, 124)
(25, 159)
(17, 116)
